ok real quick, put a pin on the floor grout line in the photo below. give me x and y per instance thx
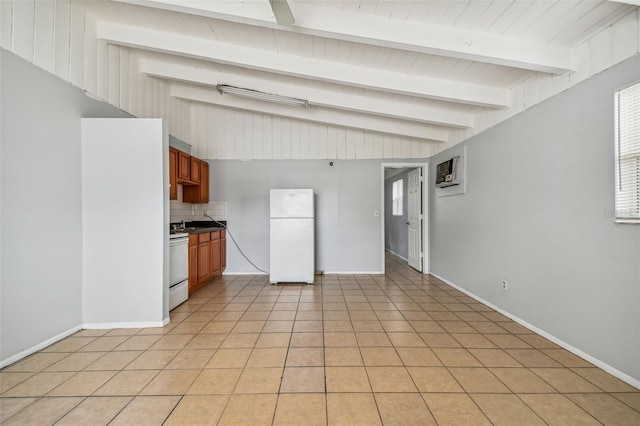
(397, 305)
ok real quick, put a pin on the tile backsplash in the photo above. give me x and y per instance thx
(188, 211)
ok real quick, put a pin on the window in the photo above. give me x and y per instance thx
(397, 198)
(627, 155)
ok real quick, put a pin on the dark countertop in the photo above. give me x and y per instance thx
(202, 230)
(200, 227)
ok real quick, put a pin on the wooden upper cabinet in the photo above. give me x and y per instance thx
(204, 183)
(173, 170)
(198, 193)
(195, 170)
(184, 167)
(191, 172)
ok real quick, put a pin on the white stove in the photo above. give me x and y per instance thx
(178, 268)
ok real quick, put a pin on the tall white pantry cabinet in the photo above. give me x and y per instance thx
(125, 214)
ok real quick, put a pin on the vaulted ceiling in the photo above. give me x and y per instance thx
(424, 71)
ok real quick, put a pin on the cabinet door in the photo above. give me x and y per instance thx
(204, 262)
(193, 268)
(223, 254)
(184, 167)
(195, 170)
(215, 257)
(173, 170)
(204, 182)
(198, 193)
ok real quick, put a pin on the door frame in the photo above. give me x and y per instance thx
(425, 211)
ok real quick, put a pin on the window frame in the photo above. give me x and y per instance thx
(627, 155)
(397, 198)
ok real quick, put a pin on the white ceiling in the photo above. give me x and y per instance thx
(418, 69)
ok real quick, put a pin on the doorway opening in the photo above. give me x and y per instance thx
(404, 218)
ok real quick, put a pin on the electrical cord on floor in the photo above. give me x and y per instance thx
(236, 244)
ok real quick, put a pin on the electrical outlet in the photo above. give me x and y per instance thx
(505, 285)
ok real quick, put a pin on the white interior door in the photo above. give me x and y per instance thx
(414, 215)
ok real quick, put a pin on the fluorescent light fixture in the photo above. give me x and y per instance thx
(262, 96)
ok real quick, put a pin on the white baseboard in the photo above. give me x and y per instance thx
(143, 324)
(69, 332)
(317, 273)
(39, 346)
(606, 367)
(397, 255)
(244, 273)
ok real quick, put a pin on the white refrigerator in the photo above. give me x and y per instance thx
(292, 242)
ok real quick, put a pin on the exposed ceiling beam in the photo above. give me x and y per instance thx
(391, 126)
(631, 2)
(317, 97)
(393, 33)
(282, 12)
(412, 85)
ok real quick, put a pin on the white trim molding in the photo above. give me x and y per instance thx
(108, 325)
(424, 165)
(396, 254)
(244, 273)
(95, 326)
(39, 346)
(603, 365)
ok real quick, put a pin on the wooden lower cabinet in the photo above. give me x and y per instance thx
(223, 250)
(215, 257)
(207, 258)
(204, 262)
(193, 263)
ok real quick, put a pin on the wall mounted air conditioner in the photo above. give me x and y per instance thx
(447, 173)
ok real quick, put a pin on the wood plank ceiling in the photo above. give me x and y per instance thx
(410, 69)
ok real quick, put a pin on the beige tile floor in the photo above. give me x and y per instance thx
(351, 350)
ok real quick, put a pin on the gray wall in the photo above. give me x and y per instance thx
(179, 144)
(396, 231)
(348, 236)
(41, 211)
(538, 187)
